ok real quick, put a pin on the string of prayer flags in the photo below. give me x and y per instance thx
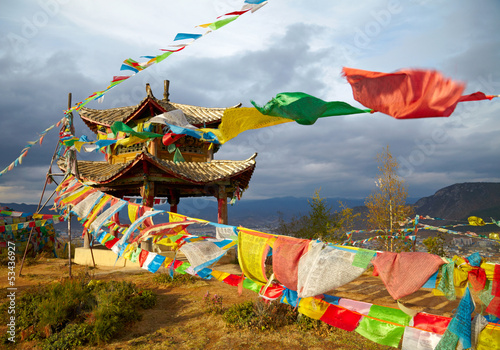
(408, 93)
(135, 67)
(19, 160)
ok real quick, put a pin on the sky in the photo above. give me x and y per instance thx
(49, 48)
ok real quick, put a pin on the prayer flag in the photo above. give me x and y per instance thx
(252, 252)
(406, 93)
(341, 318)
(182, 36)
(305, 109)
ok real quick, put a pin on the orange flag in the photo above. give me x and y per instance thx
(408, 93)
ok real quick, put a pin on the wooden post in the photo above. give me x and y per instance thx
(148, 193)
(173, 199)
(71, 157)
(148, 197)
(222, 205)
(166, 85)
(86, 241)
(69, 243)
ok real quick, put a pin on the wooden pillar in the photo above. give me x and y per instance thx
(148, 188)
(86, 241)
(173, 199)
(148, 199)
(222, 205)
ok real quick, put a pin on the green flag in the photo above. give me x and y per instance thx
(384, 333)
(120, 126)
(305, 109)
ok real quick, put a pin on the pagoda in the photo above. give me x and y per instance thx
(149, 169)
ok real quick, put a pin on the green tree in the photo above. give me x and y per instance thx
(387, 208)
(320, 223)
(436, 244)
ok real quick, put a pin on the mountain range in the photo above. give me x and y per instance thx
(455, 202)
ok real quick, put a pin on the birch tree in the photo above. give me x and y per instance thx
(387, 208)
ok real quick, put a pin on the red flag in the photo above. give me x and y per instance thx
(341, 318)
(407, 93)
(476, 96)
(170, 138)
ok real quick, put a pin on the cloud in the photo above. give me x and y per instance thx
(285, 46)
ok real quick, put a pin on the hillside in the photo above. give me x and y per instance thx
(459, 201)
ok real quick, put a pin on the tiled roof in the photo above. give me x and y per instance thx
(99, 172)
(195, 115)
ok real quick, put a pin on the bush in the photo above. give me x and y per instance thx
(239, 315)
(213, 305)
(273, 315)
(311, 325)
(147, 299)
(71, 336)
(260, 315)
(63, 303)
(76, 312)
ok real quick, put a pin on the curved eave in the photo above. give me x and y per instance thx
(198, 173)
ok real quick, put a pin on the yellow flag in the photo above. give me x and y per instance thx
(219, 275)
(312, 307)
(236, 120)
(475, 221)
(252, 252)
(489, 338)
(129, 141)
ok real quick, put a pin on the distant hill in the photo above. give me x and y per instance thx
(455, 202)
(459, 201)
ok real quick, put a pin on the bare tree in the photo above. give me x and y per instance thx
(387, 208)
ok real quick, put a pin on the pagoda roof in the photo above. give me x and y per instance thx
(195, 115)
(195, 173)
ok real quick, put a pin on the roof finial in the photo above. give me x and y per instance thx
(166, 84)
(148, 90)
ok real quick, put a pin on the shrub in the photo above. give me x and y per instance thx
(63, 303)
(213, 305)
(239, 315)
(70, 337)
(147, 299)
(311, 325)
(260, 315)
(273, 315)
(76, 312)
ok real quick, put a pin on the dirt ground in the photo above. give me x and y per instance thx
(178, 320)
